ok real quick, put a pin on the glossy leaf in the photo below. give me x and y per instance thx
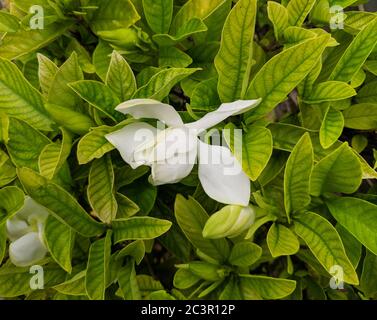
(159, 14)
(340, 171)
(244, 254)
(59, 239)
(325, 243)
(59, 202)
(358, 217)
(97, 272)
(297, 174)
(234, 60)
(19, 99)
(161, 83)
(269, 288)
(284, 72)
(139, 228)
(101, 193)
(191, 217)
(120, 77)
(356, 53)
(256, 148)
(282, 241)
(361, 116)
(330, 91)
(331, 128)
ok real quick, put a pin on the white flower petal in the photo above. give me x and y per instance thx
(171, 142)
(225, 111)
(174, 169)
(131, 137)
(32, 212)
(27, 250)
(16, 228)
(221, 175)
(148, 108)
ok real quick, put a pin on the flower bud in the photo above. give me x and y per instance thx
(230, 222)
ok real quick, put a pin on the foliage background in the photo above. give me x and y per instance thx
(310, 146)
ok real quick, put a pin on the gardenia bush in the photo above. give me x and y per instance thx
(188, 149)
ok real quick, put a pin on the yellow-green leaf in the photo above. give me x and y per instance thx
(325, 243)
(235, 57)
(282, 241)
(297, 174)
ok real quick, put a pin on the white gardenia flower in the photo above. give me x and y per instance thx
(172, 152)
(25, 231)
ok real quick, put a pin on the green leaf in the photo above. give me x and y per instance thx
(97, 272)
(278, 15)
(120, 77)
(15, 282)
(128, 282)
(352, 246)
(73, 121)
(191, 217)
(356, 53)
(195, 8)
(192, 27)
(101, 193)
(340, 171)
(325, 243)
(371, 66)
(9, 22)
(297, 174)
(102, 58)
(139, 228)
(331, 128)
(330, 91)
(269, 288)
(256, 148)
(59, 92)
(143, 194)
(367, 93)
(113, 14)
(46, 72)
(126, 207)
(135, 249)
(204, 96)
(11, 201)
(21, 151)
(235, 57)
(298, 11)
(15, 45)
(59, 202)
(59, 239)
(159, 14)
(244, 254)
(361, 116)
(184, 279)
(74, 286)
(54, 156)
(19, 99)
(99, 96)
(296, 35)
(282, 241)
(173, 57)
(7, 169)
(359, 143)
(282, 73)
(3, 241)
(94, 144)
(368, 282)
(358, 217)
(161, 83)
